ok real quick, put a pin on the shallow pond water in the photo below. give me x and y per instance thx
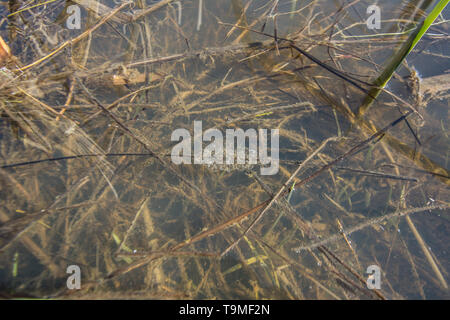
(88, 129)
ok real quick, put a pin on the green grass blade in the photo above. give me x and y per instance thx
(398, 58)
(428, 22)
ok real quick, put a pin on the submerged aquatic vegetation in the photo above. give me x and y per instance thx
(85, 146)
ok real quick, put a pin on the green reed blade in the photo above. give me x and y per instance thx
(398, 58)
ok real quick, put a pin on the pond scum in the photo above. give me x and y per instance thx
(87, 179)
